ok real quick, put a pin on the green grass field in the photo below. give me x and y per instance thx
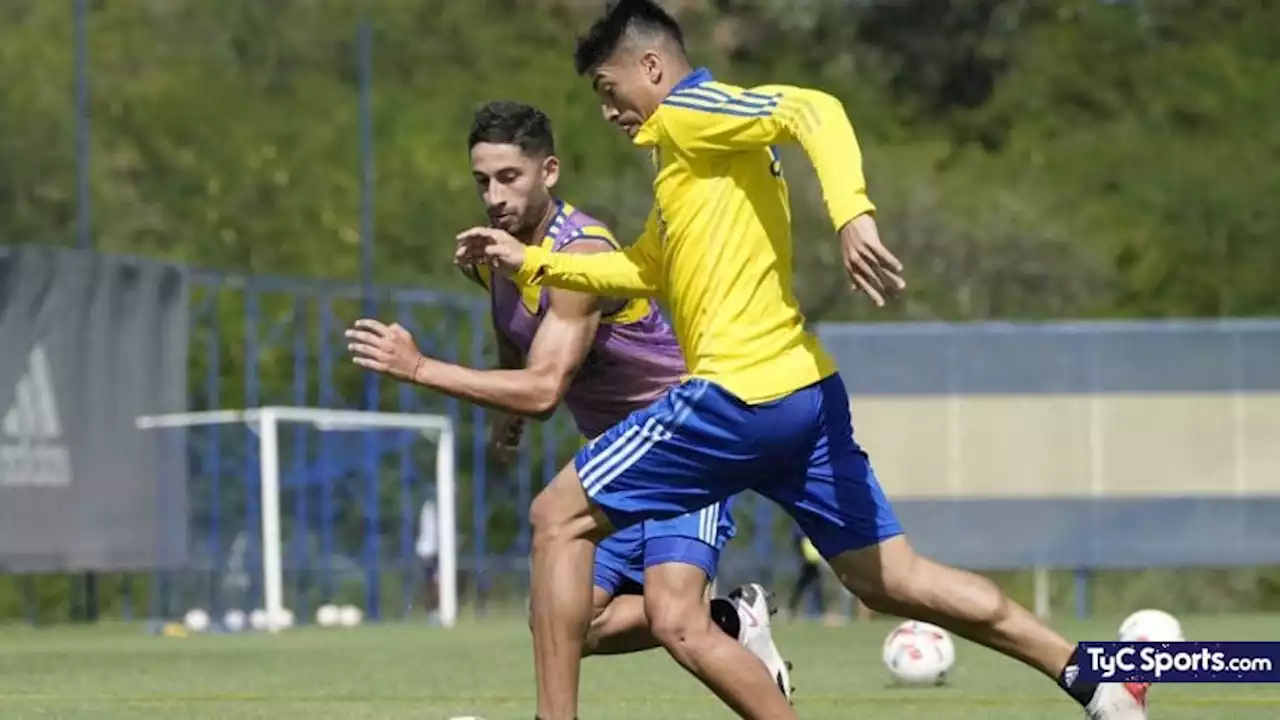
(484, 668)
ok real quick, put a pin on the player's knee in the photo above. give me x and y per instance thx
(542, 512)
(549, 522)
(676, 625)
(562, 509)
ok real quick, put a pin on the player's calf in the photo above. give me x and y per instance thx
(890, 578)
(619, 628)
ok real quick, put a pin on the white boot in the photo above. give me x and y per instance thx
(755, 606)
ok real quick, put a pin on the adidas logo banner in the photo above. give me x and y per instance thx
(87, 344)
(32, 450)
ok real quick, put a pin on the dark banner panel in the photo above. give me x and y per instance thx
(87, 344)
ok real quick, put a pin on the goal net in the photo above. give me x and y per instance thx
(284, 434)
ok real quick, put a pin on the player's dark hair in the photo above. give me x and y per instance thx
(504, 122)
(623, 19)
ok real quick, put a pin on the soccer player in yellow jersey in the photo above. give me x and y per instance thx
(763, 407)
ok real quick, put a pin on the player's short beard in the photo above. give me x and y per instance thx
(532, 219)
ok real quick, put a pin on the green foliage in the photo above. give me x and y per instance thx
(1119, 154)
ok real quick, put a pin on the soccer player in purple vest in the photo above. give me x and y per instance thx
(602, 358)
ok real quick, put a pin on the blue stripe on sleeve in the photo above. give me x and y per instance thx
(711, 95)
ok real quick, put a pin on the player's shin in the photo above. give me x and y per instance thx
(565, 529)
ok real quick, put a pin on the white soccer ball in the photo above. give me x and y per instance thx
(1151, 626)
(258, 619)
(327, 615)
(350, 616)
(284, 619)
(234, 620)
(196, 620)
(917, 653)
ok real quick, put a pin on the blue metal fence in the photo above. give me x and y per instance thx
(259, 341)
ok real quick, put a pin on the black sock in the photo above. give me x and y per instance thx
(724, 614)
(1069, 680)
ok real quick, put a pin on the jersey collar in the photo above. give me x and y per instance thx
(697, 77)
(556, 225)
(693, 79)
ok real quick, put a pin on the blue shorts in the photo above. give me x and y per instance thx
(694, 539)
(699, 444)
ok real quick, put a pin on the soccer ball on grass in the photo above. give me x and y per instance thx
(327, 615)
(234, 621)
(350, 616)
(917, 653)
(196, 620)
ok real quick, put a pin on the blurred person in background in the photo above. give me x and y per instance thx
(427, 549)
(809, 575)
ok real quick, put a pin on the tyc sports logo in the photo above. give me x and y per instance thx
(32, 450)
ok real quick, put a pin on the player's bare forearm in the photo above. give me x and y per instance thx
(520, 392)
(537, 385)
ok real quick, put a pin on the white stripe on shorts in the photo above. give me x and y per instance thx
(623, 455)
(709, 522)
(628, 449)
(595, 462)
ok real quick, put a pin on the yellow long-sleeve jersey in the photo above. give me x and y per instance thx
(717, 246)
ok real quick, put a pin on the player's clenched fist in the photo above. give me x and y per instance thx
(504, 438)
(490, 246)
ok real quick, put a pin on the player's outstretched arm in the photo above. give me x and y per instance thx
(559, 348)
(630, 272)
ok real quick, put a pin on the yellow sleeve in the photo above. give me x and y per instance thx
(721, 118)
(629, 272)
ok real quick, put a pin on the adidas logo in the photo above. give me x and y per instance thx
(1069, 675)
(32, 453)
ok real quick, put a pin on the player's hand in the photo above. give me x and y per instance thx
(504, 438)
(387, 349)
(872, 268)
(490, 246)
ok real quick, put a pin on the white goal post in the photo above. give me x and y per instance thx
(266, 422)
